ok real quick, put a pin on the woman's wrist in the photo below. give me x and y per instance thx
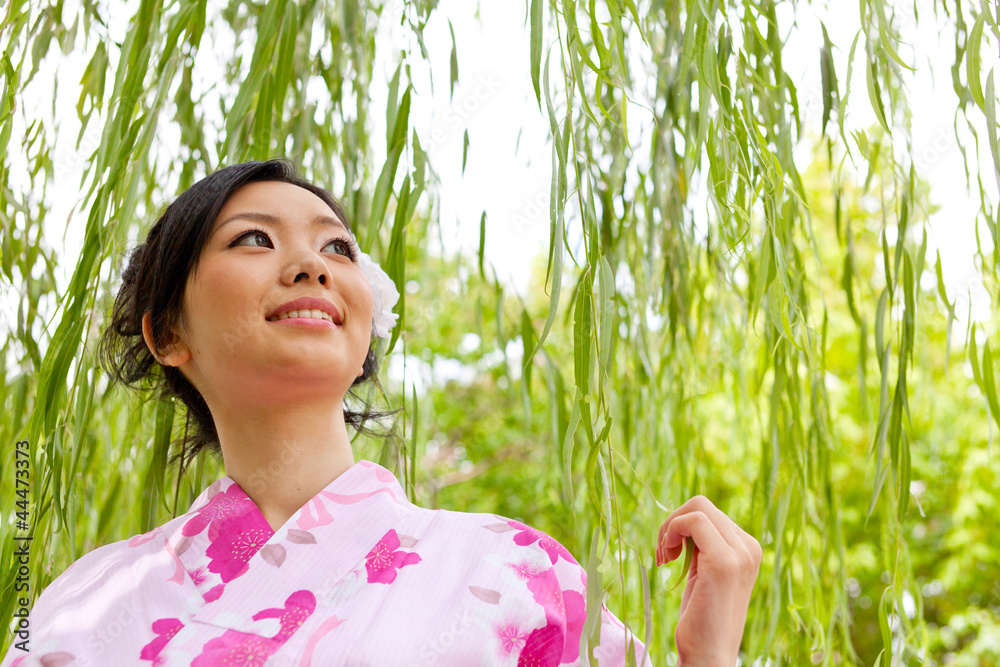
(703, 661)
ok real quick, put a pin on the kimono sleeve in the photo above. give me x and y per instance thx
(76, 618)
(616, 641)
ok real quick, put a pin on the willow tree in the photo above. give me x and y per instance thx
(670, 356)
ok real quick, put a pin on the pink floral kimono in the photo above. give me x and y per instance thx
(358, 576)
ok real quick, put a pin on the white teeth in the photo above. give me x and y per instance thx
(315, 314)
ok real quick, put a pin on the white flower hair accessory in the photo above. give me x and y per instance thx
(384, 296)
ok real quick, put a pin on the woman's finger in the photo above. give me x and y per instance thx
(726, 527)
(699, 527)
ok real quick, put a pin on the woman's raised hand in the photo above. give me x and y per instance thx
(717, 596)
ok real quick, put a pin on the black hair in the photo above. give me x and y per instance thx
(154, 281)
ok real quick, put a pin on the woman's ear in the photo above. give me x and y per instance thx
(174, 353)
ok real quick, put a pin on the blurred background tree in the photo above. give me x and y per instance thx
(738, 303)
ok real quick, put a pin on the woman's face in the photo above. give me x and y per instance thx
(271, 244)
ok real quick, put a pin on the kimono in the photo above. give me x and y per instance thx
(357, 576)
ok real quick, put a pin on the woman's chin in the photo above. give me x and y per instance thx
(292, 383)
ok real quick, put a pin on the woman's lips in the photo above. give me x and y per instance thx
(304, 313)
(306, 322)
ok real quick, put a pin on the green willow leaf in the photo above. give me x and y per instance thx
(886, 38)
(582, 334)
(973, 63)
(847, 89)
(396, 260)
(414, 432)
(284, 73)
(536, 47)
(528, 343)
(875, 93)
(383, 188)
(828, 75)
(686, 567)
(453, 63)
(590, 636)
(991, 124)
(482, 244)
(974, 360)
(465, 149)
(605, 332)
(554, 265)
(989, 382)
(154, 483)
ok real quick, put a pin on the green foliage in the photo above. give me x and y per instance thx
(784, 357)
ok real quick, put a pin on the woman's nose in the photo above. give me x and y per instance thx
(305, 275)
(308, 267)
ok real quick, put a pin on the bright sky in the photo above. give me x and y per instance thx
(509, 178)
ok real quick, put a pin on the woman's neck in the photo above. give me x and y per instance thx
(282, 457)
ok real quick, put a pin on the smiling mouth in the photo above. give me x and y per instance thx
(309, 314)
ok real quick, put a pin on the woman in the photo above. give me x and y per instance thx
(252, 299)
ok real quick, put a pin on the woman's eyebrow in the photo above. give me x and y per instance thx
(275, 221)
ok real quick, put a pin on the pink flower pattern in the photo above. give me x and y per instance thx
(512, 637)
(384, 560)
(231, 502)
(213, 593)
(525, 570)
(165, 629)
(236, 648)
(529, 535)
(298, 607)
(576, 616)
(249, 650)
(565, 615)
(198, 575)
(543, 648)
(546, 591)
(314, 514)
(238, 538)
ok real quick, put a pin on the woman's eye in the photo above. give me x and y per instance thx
(253, 234)
(343, 247)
